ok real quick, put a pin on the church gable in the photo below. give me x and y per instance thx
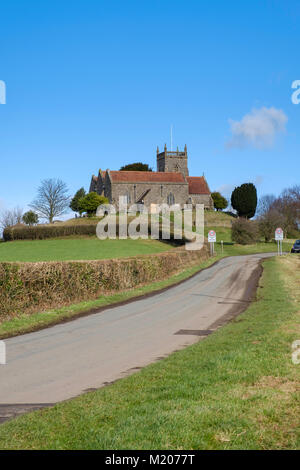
(93, 184)
(198, 185)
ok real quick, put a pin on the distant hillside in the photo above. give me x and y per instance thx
(86, 226)
(217, 219)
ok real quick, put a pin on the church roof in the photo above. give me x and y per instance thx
(198, 185)
(146, 177)
(95, 178)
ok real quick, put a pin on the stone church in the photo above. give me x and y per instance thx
(170, 184)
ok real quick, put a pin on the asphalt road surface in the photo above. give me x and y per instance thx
(65, 360)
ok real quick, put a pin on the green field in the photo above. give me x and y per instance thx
(77, 249)
(237, 389)
(88, 248)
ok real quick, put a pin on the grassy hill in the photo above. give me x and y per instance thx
(210, 218)
(88, 247)
(218, 219)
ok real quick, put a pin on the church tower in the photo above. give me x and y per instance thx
(172, 161)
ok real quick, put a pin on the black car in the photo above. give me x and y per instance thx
(296, 247)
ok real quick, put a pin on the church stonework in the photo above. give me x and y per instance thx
(170, 184)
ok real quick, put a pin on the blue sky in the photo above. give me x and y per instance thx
(97, 84)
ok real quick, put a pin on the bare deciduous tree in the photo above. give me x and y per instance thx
(282, 211)
(268, 222)
(288, 204)
(10, 217)
(52, 199)
(265, 203)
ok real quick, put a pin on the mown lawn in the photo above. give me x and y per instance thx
(88, 248)
(237, 389)
(77, 249)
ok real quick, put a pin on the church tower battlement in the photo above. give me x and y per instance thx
(174, 162)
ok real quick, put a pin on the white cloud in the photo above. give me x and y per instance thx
(258, 180)
(257, 128)
(226, 189)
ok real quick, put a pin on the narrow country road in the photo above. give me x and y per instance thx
(65, 360)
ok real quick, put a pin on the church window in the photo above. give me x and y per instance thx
(171, 199)
(126, 199)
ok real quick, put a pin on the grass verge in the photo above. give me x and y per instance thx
(237, 389)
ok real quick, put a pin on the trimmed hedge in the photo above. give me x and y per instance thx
(40, 232)
(34, 287)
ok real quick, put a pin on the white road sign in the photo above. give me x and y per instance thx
(279, 234)
(212, 238)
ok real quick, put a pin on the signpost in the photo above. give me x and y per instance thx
(212, 238)
(279, 238)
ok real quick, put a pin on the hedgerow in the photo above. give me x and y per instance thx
(40, 232)
(35, 287)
